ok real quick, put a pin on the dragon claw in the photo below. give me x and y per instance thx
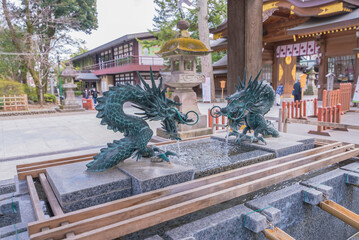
(170, 153)
(164, 157)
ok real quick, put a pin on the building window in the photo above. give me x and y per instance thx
(342, 67)
(124, 78)
(267, 73)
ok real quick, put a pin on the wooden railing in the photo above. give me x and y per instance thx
(14, 103)
(138, 60)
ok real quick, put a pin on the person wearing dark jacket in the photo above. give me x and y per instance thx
(94, 96)
(297, 92)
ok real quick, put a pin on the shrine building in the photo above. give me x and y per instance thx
(326, 33)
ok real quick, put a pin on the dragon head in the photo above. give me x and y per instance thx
(248, 97)
(159, 107)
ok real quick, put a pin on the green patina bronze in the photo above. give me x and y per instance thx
(248, 105)
(155, 106)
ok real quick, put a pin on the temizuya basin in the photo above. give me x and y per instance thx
(210, 156)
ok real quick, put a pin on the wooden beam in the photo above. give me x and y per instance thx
(35, 199)
(341, 212)
(121, 227)
(124, 221)
(149, 196)
(277, 234)
(55, 206)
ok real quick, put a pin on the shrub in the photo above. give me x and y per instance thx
(31, 93)
(48, 97)
(78, 93)
(9, 87)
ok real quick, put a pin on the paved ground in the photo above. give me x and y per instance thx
(29, 138)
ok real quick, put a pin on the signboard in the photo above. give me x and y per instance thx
(356, 93)
(206, 90)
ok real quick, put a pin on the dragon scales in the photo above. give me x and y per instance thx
(247, 106)
(155, 106)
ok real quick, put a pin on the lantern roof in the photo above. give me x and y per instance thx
(183, 45)
(68, 72)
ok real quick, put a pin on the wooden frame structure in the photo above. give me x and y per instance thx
(14, 103)
(118, 218)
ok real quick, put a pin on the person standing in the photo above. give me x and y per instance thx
(94, 96)
(86, 93)
(278, 94)
(297, 91)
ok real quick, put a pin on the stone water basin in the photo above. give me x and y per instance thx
(210, 156)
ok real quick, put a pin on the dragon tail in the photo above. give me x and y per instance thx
(116, 152)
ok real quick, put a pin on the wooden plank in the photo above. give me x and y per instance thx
(47, 165)
(138, 199)
(341, 212)
(277, 234)
(146, 208)
(54, 160)
(35, 199)
(55, 206)
(115, 227)
(32, 173)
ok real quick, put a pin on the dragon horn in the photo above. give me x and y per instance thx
(259, 73)
(153, 82)
(240, 82)
(143, 81)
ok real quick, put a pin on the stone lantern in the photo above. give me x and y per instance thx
(70, 103)
(182, 76)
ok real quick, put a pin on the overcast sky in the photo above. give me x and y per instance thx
(117, 18)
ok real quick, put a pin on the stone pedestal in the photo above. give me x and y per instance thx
(147, 176)
(70, 103)
(188, 98)
(76, 189)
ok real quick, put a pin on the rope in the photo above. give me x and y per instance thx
(183, 121)
(309, 190)
(13, 207)
(258, 210)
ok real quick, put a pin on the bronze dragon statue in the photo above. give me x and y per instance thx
(248, 105)
(155, 106)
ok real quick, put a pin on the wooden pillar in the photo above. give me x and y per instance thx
(323, 68)
(244, 39)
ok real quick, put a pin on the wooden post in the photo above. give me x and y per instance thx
(339, 112)
(330, 117)
(245, 32)
(209, 118)
(284, 104)
(280, 116)
(217, 122)
(223, 121)
(304, 108)
(292, 109)
(285, 122)
(315, 106)
(325, 98)
(320, 118)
